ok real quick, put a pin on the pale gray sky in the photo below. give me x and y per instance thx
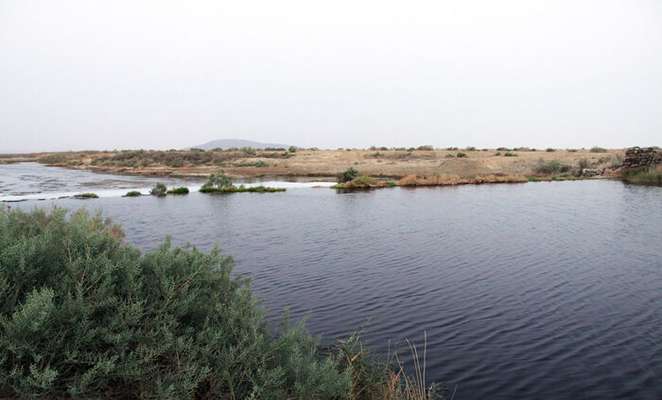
(78, 74)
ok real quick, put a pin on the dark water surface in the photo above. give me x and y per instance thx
(530, 291)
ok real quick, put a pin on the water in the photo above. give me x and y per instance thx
(530, 291)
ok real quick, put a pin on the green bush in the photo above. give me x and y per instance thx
(551, 167)
(461, 155)
(133, 193)
(550, 150)
(179, 190)
(347, 176)
(510, 154)
(426, 147)
(220, 183)
(216, 182)
(84, 196)
(597, 149)
(159, 190)
(85, 315)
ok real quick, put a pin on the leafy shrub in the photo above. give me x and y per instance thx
(510, 154)
(461, 155)
(86, 196)
(425, 148)
(256, 164)
(450, 155)
(179, 190)
(596, 149)
(572, 150)
(349, 174)
(215, 182)
(248, 151)
(470, 148)
(498, 153)
(159, 190)
(84, 315)
(550, 150)
(503, 149)
(220, 183)
(292, 149)
(133, 193)
(551, 167)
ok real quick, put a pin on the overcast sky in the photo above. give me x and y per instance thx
(86, 74)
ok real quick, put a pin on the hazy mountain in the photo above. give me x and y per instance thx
(237, 143)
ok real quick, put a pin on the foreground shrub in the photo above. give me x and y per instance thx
(159, 190)
(133, 193)
(84, 315)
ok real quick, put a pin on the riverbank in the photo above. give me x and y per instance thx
(455, 165)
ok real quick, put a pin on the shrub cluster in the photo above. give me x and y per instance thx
(551, 167)
(348, 175)
(179, 190)
(220, 183)
(83, 196)
(159, 190)
(84, 315)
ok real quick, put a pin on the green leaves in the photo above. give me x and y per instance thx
(83, 314)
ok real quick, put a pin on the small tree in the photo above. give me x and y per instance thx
(159, 190)
(292, 149)
(349, 174)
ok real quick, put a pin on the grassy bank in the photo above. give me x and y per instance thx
(85, 315)
(649, 176)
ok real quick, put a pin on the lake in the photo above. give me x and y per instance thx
(528, 291)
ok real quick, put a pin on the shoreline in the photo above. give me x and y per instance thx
(484, 165)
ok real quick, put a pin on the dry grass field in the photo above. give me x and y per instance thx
(388, 163)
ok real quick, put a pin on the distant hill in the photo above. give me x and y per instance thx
(237, 143)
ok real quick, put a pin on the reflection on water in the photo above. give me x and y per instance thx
(533, 291)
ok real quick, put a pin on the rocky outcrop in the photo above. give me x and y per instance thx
(642, 157)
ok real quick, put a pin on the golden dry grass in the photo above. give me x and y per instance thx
(395, 164)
